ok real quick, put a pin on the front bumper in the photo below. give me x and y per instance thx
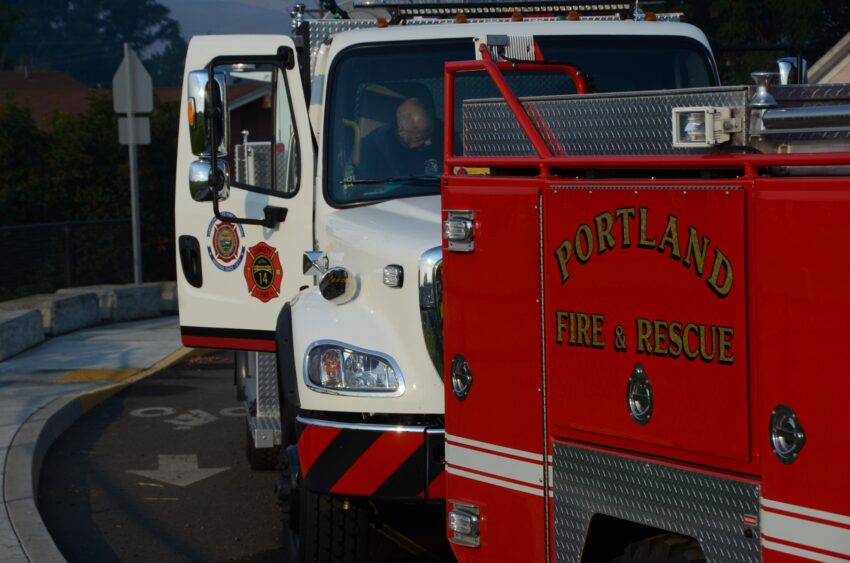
(378, 461)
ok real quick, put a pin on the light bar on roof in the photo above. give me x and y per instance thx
(493, 7)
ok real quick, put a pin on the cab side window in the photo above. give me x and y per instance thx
(263, 144)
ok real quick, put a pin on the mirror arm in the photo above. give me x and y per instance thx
(272, 216)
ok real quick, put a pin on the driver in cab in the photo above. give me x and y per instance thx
(409, 146)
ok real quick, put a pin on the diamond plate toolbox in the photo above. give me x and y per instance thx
(706, 507)
(640, 123)
(636, 123)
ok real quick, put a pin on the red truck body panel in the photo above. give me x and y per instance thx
(784, 315)
(494, 441)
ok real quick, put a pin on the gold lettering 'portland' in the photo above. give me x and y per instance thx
(694, 251)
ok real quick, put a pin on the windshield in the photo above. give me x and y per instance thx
(385, 137)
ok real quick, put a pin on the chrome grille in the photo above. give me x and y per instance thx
(431, 304)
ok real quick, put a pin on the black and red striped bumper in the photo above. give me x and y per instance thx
(376, 461)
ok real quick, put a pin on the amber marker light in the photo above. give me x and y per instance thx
(651, 17)
(460, 18)
(382, 22)
(516, 17)
(573, 16)
(191, 106)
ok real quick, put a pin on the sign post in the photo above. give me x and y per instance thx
(132, 93)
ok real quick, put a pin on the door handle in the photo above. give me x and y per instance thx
(273, 215)
(190, 260)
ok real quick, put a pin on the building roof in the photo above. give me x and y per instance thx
(44, 91)
(834, 66)
(167, 94)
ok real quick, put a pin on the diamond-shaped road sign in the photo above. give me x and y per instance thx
(132, 87)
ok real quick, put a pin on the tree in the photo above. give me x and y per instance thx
(77, 171)
(22, 151)
(85, 37)
(813, 27)
(8, 17)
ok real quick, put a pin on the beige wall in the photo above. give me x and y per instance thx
(842, 75)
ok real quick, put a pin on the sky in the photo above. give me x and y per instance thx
(202, 17)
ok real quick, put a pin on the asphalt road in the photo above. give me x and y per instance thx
(158, 473)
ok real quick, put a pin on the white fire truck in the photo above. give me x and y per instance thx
(646, 303)
(325, 270)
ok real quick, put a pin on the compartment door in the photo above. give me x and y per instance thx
(646, 320)
(234, 273)
(495, 456)
(799, 343)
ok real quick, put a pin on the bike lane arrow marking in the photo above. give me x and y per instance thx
(191, 419)
(181, 470)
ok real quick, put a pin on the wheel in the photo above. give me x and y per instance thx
(331, 530)
(260, 459)
(667, 548)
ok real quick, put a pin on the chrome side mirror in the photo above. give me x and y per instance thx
(207, 102)
(199, 180)
(789, 73)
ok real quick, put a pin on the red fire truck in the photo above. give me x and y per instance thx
(646, 306)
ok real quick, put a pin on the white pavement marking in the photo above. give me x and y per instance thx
(181, 470)
(233, 411)
(191, 419)
(153, 412)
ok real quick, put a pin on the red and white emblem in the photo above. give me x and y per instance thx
(263, 272)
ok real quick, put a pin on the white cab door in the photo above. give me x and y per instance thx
(234, 275)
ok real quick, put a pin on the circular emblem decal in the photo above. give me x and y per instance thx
(263, 272)
(224, 243)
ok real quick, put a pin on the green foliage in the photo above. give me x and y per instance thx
(22, 152)
(85, 37)
(77, 171)
(8, 18)
(156, 178)
(84, 163)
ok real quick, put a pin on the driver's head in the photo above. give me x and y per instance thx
(415, 124)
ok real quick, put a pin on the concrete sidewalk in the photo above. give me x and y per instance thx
(43, 391)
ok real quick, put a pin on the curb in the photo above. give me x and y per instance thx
(28, 449)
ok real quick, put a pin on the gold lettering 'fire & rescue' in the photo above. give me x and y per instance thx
(653, 337)
(609, 231)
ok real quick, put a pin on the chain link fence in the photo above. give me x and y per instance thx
(42, 258)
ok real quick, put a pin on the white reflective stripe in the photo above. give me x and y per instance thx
(805, 532)
(494, 481)
(501, 449)
(500, 466)
(840, 518)
(767, 544)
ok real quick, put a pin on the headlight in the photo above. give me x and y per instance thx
(336, 368)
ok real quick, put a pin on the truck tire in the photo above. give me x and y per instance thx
(260, 459)
(667, 548)
(332, 530)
